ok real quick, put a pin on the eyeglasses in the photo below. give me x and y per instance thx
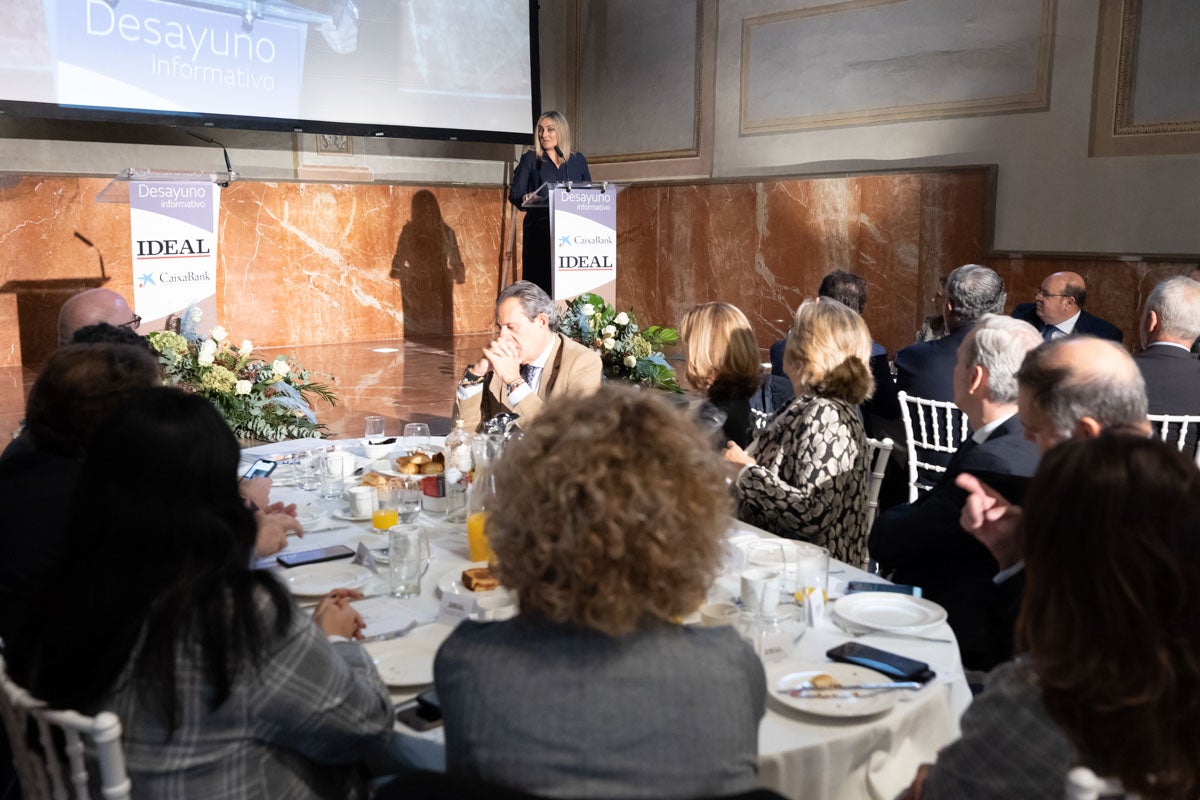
(1044, 293)
(133, 324)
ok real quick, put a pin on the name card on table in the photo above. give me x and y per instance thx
(456, 607)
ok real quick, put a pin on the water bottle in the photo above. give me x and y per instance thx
(458, 471)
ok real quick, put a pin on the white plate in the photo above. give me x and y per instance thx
(408, 661)
(862, 704)
(450, 582)
(887, 611)
(320, 579)
(311, 515)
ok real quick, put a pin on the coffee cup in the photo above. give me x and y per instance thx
(714, 615)
(362, 501)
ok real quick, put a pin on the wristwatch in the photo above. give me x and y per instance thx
(471, 379)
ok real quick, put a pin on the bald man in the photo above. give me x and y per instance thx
(91, 307)
(1059, 310)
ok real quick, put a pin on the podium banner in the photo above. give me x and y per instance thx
(583, 229)
(174, 235)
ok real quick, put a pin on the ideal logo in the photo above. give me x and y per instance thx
(171, 248)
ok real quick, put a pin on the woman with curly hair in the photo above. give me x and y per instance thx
(805, 476)
(1110, 676)
(723, 363)
(610, 530)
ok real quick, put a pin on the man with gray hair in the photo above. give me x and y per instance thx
(1170, 324)
(528, 363)
(923, 543)
(926, 369)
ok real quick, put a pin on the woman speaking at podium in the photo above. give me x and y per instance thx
(550, 160)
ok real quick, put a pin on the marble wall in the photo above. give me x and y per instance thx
(309, 263)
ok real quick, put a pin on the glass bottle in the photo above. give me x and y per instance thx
(458, 471)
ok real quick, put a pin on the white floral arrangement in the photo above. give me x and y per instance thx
(627, 352)
(269, 401)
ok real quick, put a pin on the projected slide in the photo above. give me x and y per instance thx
(452, 64)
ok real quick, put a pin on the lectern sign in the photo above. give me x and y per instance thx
(583, 226)
(174, 230)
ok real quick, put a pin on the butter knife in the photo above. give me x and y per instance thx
(808, 689)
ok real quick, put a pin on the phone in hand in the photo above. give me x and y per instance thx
(260, 469)
(871, 586)
(314, 556)
(895, 666)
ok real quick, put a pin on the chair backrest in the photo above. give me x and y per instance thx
(1083, 784)
(1181, 430)
(930, 426)
(56, 769)
(879, 451)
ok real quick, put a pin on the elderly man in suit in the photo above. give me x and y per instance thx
(923, 543)
(527, 364)
(926, 369)
(1059, 310)
(91, 307)
(1170, 324)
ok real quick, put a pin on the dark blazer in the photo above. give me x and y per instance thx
(1172, 379)
(926, 369)
(884, 403)
(922, 544)
(1087, 323)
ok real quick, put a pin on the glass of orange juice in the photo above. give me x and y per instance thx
(477, 538)
(387, 514)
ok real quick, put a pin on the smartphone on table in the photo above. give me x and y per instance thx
(853, 587)
(423, 714)
(314, 556)
(896, 667)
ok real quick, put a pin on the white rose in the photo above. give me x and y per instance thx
(609, 330)
(631, 361)
(609, 344)
(621, 319)
(243, 387)
(587, 309)
(207, 354)
(280, 367)
(218, 333)
(246, 347)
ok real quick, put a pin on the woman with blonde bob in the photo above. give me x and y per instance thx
(723, 363)
(610, 530)
(804, 477)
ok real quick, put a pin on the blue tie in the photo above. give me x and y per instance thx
(1049, 331)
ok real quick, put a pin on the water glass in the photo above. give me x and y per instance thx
(408, 500)
(308, 470)
(409, 557)
(416, 436)
(333, 474)
(374, 428)
(812, 579)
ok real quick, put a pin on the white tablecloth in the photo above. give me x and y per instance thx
(800, 756)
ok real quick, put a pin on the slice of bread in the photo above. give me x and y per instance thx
(479, 579)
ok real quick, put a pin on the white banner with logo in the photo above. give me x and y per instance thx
(583, 227)
(174, 234)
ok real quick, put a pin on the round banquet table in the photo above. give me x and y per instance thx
(800, 755)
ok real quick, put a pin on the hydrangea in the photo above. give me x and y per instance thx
(243, 387)
(168, 342)
(280, 367)
(218, 333)
(640, 347)
(219, 379)
(621, 319)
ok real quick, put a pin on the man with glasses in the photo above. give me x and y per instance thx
(1059, 310)
(91, 307)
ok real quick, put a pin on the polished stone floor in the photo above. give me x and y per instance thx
(410, 380)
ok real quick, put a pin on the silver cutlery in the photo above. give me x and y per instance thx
(857, 634)
(383, 637)
(808, 689)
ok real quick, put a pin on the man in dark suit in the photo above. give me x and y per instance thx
(1059, 310)
(926, 369)
(1170, 323)
(923, 543)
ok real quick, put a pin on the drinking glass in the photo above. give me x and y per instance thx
(416, 435)
(386, 513)
(812, 579)
(408, 501)
(374, 428)
(308, 470)
(409, 557)
(333, 474)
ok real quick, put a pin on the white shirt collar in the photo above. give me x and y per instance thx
(1170, 344)
(540, 361)
(980, 436)
(1067, 326)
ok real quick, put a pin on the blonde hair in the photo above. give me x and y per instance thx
(612, 512)
(721, 349)
(562, 129)
(827, 351)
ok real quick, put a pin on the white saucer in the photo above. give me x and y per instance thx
(833, 704)
(316, 580)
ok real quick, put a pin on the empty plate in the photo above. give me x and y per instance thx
(885, 611)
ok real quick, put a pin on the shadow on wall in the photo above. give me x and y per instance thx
(428, 264)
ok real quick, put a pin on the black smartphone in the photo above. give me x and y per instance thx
(894, 666)
(260, 469)
(419, 716)
(429, 698)
(870, 586)
(315, 556)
